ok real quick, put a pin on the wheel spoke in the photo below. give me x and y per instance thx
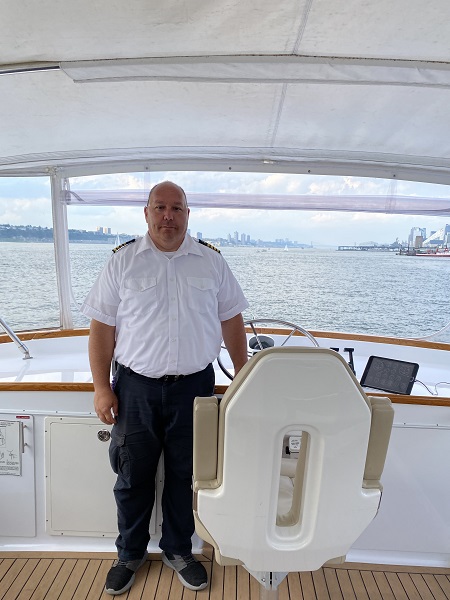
(264, 322)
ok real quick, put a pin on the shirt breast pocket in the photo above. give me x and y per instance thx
(202, 294)
(141, 292)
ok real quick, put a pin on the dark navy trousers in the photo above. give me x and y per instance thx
(155, 415)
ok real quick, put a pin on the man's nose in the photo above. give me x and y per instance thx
(168, 214)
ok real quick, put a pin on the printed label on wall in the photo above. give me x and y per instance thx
(10, 448)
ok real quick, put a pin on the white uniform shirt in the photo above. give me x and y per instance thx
(167, 311)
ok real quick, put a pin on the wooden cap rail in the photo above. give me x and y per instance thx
(21, 386)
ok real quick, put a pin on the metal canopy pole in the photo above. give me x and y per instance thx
(61, 247)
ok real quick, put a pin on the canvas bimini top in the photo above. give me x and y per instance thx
(302, 86)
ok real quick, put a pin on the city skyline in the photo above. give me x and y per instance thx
(417, 237)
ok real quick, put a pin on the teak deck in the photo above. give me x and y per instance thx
(73, 576)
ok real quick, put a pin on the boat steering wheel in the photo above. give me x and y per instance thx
(261, 341)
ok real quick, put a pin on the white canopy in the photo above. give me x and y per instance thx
(334, 87)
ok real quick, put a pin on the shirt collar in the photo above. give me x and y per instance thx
(188, 246)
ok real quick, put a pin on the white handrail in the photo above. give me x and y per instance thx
(15, 339)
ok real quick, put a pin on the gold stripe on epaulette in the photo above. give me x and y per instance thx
(209, 245)
(123, 245)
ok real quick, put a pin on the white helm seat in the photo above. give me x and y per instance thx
(273, 515)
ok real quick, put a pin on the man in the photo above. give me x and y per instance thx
(160, 308)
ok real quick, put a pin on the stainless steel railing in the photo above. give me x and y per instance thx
(15, 339)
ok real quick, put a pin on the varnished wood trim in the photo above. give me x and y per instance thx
(45, 333)
(31, 386)
(359, 337)
(376, 339)
(219, 391)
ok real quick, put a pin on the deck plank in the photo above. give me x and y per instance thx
(159, 580)
(371, 585)
(35, 579)
(243, 584)
(20, 580)
(307, 584)
(358, 586)
(216, 582)
(396, 586)
(74, 579)
(320, 585)
(435, 588)
(87, 580)
(346, 585)
(96, 590)
(294, 586)
(229, 583)
(41, 591)
(333, 586)
(444, 582)
(5, 564)
(383, 586)
(10, 575)
(410, 589)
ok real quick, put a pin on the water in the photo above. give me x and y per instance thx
(365, 292)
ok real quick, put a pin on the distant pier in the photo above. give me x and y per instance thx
(381, 248)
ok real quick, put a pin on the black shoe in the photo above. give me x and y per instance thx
(121, 575)
(191, 573)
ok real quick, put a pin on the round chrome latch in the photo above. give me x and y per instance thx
(103, 435)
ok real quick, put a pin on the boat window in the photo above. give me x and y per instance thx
(287, 261)
(29, 297)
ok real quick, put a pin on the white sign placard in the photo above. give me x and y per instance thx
(10, 448)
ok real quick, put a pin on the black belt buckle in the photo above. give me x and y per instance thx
(171, 378)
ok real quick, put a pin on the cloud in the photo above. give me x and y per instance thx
(26, 211)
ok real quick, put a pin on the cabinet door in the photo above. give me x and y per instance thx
(79, 478)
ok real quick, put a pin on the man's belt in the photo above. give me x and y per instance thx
(164, 378)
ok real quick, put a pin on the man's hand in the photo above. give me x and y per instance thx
(101, 350)
(233, 333)
(106, 406)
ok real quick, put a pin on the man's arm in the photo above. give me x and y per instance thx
(101, 350)
(233, 333)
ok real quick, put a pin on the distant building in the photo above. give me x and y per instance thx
(439, 238)
(416, 237)
(199, 235)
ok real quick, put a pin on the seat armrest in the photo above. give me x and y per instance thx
(380, 433)
(206, 417)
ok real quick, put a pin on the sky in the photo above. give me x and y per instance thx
(26, 201)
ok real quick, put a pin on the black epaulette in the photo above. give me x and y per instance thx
(209, 245)
(123, 245)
